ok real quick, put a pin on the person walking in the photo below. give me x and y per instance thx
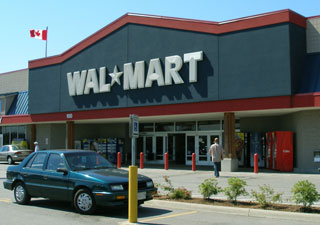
(216, 153)
(36, 146)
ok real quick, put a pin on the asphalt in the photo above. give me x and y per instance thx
(183, 176)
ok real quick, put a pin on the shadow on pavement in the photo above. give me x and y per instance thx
(114, 212)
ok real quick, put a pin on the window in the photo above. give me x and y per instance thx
(164, 126)
(38, 161)
(13, 132)
(54, 162)
(5, 148)
(146, 127)
(185, 126)
(209, 125)
(30, 161)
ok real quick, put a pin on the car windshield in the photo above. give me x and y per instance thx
(86, 161)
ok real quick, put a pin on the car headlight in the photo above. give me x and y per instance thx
(116, 187)
(149, 184)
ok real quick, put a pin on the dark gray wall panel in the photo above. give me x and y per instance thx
(44, 89)
(255, 63)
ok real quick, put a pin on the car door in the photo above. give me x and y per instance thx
(33, 173)
(56, 183)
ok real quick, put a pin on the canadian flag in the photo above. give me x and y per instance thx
(39, 34)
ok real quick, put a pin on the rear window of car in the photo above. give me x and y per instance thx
(37, 161)
(15, 147)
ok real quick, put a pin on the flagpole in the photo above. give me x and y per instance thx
(47, 42)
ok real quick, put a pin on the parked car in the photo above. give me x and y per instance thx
(13, 153)
(84, 178)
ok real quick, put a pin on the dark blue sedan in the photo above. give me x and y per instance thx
(84, 178)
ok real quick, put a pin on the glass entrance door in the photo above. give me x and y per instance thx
(161, 146)
(190, 146)
(200, 145)
(204, 146)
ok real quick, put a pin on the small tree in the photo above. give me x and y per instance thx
(209, 187)
(235, 188)
(266, 196)
(305, 192)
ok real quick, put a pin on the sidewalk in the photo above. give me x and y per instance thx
(183, 176)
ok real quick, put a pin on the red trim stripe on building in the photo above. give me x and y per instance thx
(266, 19)
(267, 103)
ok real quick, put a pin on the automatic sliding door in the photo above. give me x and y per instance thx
(190, 143)
(149, 148)
(161, 147)
(203, 148)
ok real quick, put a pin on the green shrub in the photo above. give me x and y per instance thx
(235, 188)
(209, 187)
(305, 192)
(266, 196)
(180, 193)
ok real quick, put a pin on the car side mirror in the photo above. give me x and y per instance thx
(62, 170)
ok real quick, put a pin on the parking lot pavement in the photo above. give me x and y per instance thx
(185, 177)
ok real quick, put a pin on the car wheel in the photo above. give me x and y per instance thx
(84, 202)
(20, 194)
(10, 160)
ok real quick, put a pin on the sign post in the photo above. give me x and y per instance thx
(133, 171)
(134, 133)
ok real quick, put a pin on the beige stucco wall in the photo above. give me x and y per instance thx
(313, 35)
(14, 81)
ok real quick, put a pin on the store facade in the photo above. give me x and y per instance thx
(188, 81)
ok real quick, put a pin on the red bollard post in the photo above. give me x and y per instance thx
(166, 161)
(193, 162)
(141, 160)
(256, 165)
(119, 160)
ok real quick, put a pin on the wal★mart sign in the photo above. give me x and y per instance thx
(80, 83)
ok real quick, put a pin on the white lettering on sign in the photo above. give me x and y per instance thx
(81, 83)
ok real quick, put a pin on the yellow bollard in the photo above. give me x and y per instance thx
(133, 194)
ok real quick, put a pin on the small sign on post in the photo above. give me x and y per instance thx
(134, 125)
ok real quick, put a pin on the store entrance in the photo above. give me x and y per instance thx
(177, 148)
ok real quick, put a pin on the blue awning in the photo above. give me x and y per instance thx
(20, 104)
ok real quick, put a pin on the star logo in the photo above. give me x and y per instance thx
(115, 76)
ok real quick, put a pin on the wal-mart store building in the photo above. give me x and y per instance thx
(189, 81)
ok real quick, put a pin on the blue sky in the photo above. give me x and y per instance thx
(71, 21)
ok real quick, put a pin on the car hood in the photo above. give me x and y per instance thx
(111, 175)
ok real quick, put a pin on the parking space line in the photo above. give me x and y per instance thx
(5, 200)
(169, 216)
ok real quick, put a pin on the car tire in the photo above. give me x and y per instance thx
(84, 202)
(10, 161)
(20, 194)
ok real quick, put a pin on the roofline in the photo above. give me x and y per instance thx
(313, 17)
(260, 20)
(13, 71)
(237, 105)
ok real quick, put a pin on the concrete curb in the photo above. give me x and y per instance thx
(307, 217)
